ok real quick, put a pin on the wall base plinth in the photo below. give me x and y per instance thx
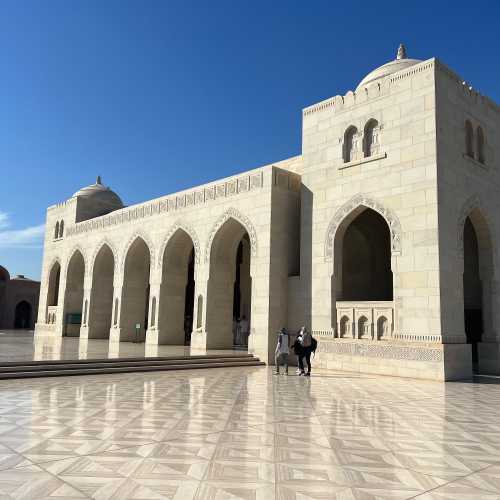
(411, 360)
(489, 358)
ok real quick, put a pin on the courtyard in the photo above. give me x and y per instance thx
(247, 433)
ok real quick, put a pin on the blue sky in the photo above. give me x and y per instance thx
(159, 96)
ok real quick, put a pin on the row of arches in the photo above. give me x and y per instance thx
(363, 329)
(474, 142)
(59, 230)
(135, 303)
(357, 145)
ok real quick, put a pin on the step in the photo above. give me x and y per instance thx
(70, 365)
(126, 369)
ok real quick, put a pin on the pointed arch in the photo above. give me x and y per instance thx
(232, 213)
(351, 209)
(71, 254)
(130, 242)
(98, 248)
(190, 231)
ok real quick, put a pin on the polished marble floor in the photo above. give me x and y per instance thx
(20, 345)
(245, 433)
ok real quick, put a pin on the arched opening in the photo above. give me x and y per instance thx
(101, 294)
(153, 311)
(61, 229)
(228, 310)
(53, 288)
(345, 327)
(135, 294)
(371, 139)
(477, 276)
(382, 328)
(22, 316)
(115, 319)
(363, 258)
(73, 299)
(469, 139)
(480, 144)
(350, 144)
(56, 231)
(363, 328)
(175, 318)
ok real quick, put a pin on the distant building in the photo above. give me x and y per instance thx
(381, 237)
(18, 301)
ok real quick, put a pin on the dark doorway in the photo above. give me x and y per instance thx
(22, 317)
(189, 301)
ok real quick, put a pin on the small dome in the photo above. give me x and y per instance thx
(101, 194)
(401, 62)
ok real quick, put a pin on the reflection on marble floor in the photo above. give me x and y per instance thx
(20, 345)
(244, 433)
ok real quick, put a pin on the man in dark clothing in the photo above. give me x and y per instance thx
(304, 341)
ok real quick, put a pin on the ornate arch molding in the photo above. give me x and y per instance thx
(474, 203)
(131, 240)
(187, 228)
(364, 201)
(51, 265)
(98, 248)
(70, 256)
(232, 213)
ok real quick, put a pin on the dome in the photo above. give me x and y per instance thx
(401, 62)
(100, 194)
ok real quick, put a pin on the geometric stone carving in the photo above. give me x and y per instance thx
(192, 234)
(352, 204)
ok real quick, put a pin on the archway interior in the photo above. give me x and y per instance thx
(73, 303)
(135, 295)
(473, 293)
(175, 314)
(229, 287)
(366, 259)
(53, 288)
(101, 297)
(22, 317)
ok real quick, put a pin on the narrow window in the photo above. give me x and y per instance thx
(85, 312)
(480, 144)
(199, 312)
(153, 311)
(61, 229)
(371, 140)
(469, 138)
(350, 144)
(115, 321)
(56, 231)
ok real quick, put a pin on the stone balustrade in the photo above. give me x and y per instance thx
(51, 315)
(365, 320)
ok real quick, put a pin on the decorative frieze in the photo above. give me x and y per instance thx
(174, 203)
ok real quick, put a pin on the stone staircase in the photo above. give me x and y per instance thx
(29, 369)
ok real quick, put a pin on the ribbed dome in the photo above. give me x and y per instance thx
(401, 62)
(101, 194)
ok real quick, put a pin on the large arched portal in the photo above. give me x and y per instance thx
(53, 288)
(22, 316)
(175, 313)
(73, 298)
(101, 296)
(363, 259)
(477, 276)
(135, 294)
(229, 287)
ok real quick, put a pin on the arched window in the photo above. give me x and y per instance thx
(469, 139)
(56, 231)
(350, 144)
(199, 312)
(480, 145)
(371, 140)
(153, 311)
(61, 229)
(85, 307)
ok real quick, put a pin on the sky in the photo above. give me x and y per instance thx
(159, 96)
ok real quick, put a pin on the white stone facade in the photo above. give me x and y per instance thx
(361, 238)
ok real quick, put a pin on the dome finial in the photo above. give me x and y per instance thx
(401, 52)
(98, 180)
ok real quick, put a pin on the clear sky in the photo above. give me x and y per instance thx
(157, 96)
